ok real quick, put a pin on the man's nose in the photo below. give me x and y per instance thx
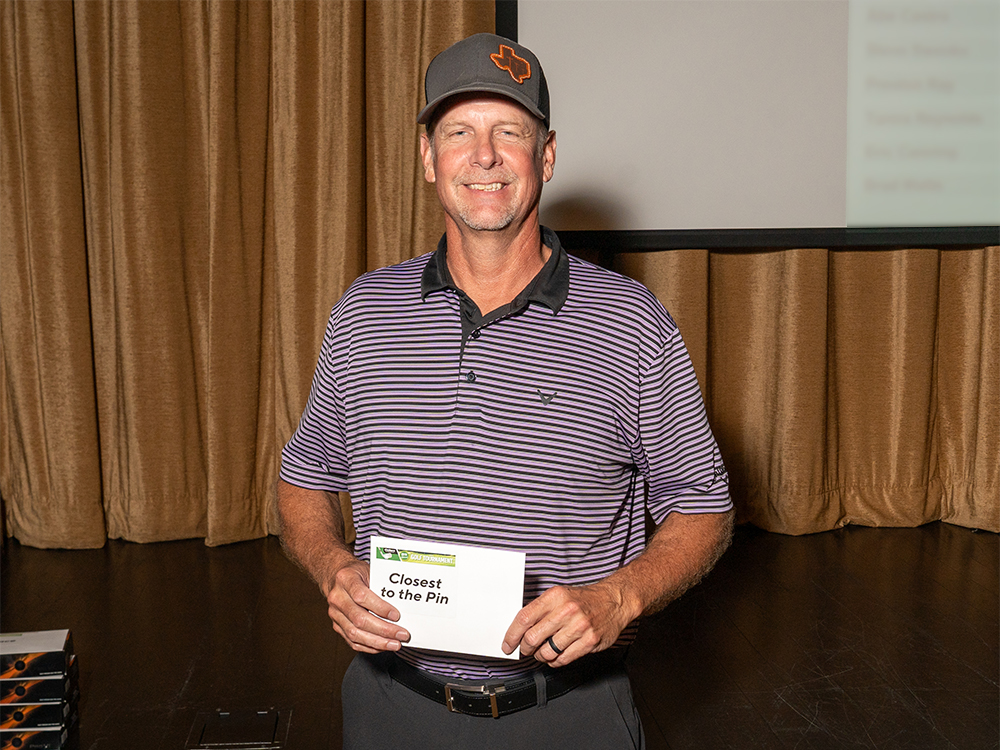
(485, 155)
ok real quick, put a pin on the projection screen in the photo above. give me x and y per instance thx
(866, 118)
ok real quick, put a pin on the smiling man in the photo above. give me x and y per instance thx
(501, 393)
(486, 149)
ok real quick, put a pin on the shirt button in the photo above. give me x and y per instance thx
(470, 376)
(476, 334)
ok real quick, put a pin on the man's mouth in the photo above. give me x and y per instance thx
(486, 187)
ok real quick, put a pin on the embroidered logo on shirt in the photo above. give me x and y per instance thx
(518, 67)
(546, 398)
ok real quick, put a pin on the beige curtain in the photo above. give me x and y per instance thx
(187, 188)
(846, 386)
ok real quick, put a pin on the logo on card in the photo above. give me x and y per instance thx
(410, 556)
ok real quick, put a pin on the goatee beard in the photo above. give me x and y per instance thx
(480, 225)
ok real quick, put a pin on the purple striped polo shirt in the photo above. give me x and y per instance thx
(534, 434)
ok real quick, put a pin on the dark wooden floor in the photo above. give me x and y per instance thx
(859, 638)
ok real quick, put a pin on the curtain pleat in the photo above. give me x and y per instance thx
(50, 461)
(239, 388)
(967, 419)
(188, 188)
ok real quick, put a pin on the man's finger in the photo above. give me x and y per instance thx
(529, 618)
(369, 600)
(560, 655)
(361, 617)
(586, 618)
(523, 620)
(358, 626)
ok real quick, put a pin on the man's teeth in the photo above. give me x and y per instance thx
(489, 188)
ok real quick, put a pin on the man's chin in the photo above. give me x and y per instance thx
(487, 223)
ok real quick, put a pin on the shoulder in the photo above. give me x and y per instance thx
(373, 298)
(612, 298)
(403, 276)
(383, 288)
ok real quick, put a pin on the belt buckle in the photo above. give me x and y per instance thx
(491, 691)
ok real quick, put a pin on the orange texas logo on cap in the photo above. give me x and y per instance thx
(518, 67)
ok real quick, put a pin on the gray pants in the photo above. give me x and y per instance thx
(381, 713)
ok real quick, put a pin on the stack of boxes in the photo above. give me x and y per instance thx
(39, 691)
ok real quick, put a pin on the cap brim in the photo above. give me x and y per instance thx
(428, 112)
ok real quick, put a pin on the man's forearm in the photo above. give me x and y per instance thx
(312, 532)
(683, 549)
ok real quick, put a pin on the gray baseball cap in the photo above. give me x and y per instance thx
(491, 64)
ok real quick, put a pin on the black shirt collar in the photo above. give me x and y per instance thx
(550, 286)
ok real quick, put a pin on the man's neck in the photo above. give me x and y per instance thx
(493, 267)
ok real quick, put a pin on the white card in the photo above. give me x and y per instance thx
(450, 597)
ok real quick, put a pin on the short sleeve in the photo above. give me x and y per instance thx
(677, 452)
(316, 455)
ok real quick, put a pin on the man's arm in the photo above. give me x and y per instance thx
(312, 533)
(584, 619)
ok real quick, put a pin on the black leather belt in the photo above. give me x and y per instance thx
(498, 698)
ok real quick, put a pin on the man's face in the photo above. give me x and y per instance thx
(485, 162)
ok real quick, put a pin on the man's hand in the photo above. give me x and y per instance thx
(578, 619)
(584, 619)
(313, 535)
(362, 618)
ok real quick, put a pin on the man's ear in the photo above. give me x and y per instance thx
(549, 156)
(427, 157)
